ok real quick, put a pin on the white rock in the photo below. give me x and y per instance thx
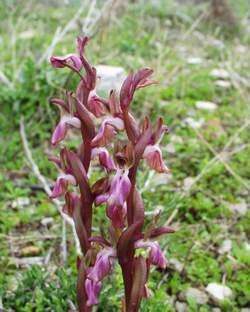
(223, 84)
(176, 139)
(188, 182)
(247, 246)
(195, 124)
(47, 221)
(181, 306)
(225, 247)
(220, 73)
(194, 60)
(245, 310)
(20, 202)
(240, 208)
(170, 148)
(110, 77)
(218, 292)
(176, 264)
(206, 105)
(193, 293)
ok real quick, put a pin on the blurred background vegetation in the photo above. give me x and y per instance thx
(200, 53)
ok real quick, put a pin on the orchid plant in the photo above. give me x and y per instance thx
(107, 125)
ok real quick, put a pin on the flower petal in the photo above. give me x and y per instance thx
(107, 131)
(153, 156)
(61, 185)
(92, 289)
(62, 127)
(63, 61)
(156, 256)
(104, 157)
(120, 188)
(116, 214)
(96, 105)
(102, 264)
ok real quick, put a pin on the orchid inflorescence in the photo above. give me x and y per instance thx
(86, 111)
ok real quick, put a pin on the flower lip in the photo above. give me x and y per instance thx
(63, 61)
(153, 156)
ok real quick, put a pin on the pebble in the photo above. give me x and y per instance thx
(181, 306)
(20, 202)
(194, 60)
(188, 182)
(223, 84)
(240, 208)
(225, 247)
(48, 221)
(176, 264)
(218, 293)
(220, 73)
(194, 123)
(206, 105)
(197, 295)
(110, 77)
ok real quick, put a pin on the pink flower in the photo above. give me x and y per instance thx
(96, 105)
(104, 157)
(156, 256)
(102, 264)
(153, 156)
(61, 185)
(107, 131)
(120, 188)
(92, 289)
(117, 214)
(62, 127)
(70, 60)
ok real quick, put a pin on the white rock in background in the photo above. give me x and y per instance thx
(176, 264)
(48, 221)
(245, 310)
(181, 306)
(195, 124)
(220, 73)
(170, 148)
(188, 182)
(240, 208)
(218, 292)
(194, 60)
(110, 77)
(225, 247)
(176, 139)
(193, 293)
(206, 105)
(20, 202)
(247, 247)
(223, 84)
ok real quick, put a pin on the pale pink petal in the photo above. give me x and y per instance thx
(107, 131)
(96, 105)
(100, 199)
(62, 61)
(120, 188)
(62, 128)
(61, 185)
(117, 214)
(104, 157)
(92, 289)
(153, 156)
(102, 264)
(156, 256)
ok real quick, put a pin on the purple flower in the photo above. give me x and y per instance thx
(62, 127)
(102, 264)
(156, 256)
(104, 157)
(107, 131)
(92, 289)
(61, 185)
(66, 61)
(117, 214)
(153, 157)
(96, 105)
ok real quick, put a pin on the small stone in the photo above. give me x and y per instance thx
(245, 310)
(20, 202)
(195, 294)
(161, 179)
(170, 148)
(30, 251)
(194, 60)
(223, 84)
(220, 73)
(188, 182)
(176, 264)
(206, 105)
(28, 34)
(176, 139)
(48, 221)
(247, 246)
(27, 261)
(110, 77)
(219, 293)
(240, 208)
(181, 306)
(225, 247)
(195, 124)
